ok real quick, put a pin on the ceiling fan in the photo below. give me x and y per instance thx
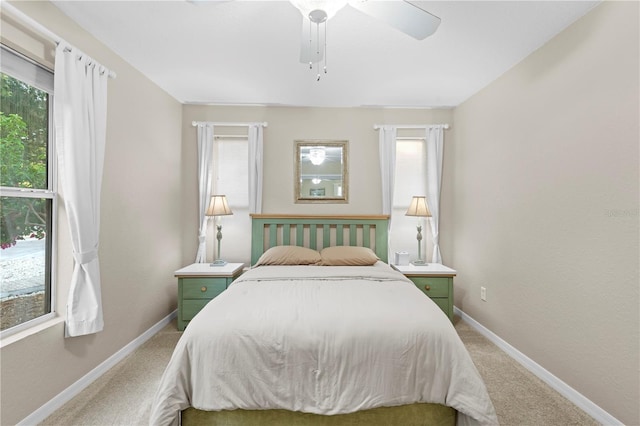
(400, 14)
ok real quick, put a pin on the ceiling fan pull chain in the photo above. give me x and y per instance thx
(310, 43)
(325, 45)
(318, 50)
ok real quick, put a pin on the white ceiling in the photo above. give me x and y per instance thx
(247, 52)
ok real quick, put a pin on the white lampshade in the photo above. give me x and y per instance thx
(218, 206)
(418, 207)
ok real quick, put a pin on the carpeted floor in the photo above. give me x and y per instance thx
(519, 397)
(123, 395)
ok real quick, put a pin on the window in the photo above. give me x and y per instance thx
(231, 178)
(410, 180)
(27, 192)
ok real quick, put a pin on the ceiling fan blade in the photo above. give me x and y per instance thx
(310, 50)
(402, 15)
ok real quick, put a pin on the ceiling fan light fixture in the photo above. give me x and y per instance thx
(329, 7)
(317, 156)
(318, 13)
(318, 16)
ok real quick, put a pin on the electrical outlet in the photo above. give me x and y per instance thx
(483, 293)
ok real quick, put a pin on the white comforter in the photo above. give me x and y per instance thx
(321, 339)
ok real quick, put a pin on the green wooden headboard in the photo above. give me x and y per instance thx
(317, 232)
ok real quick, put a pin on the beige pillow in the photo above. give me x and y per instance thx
(348, 256)
(289, 255)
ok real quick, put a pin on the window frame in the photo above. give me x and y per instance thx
(51, 193)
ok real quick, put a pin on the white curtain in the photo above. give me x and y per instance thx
(80, 117)
(387, 147)
(205, 170)
(255, 168)
(387, 150)
(434, 136)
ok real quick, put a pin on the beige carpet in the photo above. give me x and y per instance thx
(123, 395)
(519, 397)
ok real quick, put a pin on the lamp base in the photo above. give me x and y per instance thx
(419, 263)
(218, 262)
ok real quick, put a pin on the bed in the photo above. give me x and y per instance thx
(321, 331)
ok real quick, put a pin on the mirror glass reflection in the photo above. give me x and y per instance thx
(321, 171)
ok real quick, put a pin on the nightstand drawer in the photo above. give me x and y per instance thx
(443, 303)
(202, 288)
(191, 307)
(432, 287)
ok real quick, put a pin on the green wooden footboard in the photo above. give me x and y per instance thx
(317, 232)
(419, 414)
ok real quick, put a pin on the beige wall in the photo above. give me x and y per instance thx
(284, 126)
(544, 207)
(140, 233)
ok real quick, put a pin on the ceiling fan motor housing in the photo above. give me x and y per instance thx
(318, 16)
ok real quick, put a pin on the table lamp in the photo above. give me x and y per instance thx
(418, 207)
(218, 207)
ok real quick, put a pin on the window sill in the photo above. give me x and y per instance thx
(37, 328)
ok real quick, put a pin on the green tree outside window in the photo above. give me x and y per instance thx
(23, 158)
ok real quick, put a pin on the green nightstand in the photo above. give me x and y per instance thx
(435, 280)
(198, 283)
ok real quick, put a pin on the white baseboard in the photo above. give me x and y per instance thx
(561, 387)
(66, 395)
